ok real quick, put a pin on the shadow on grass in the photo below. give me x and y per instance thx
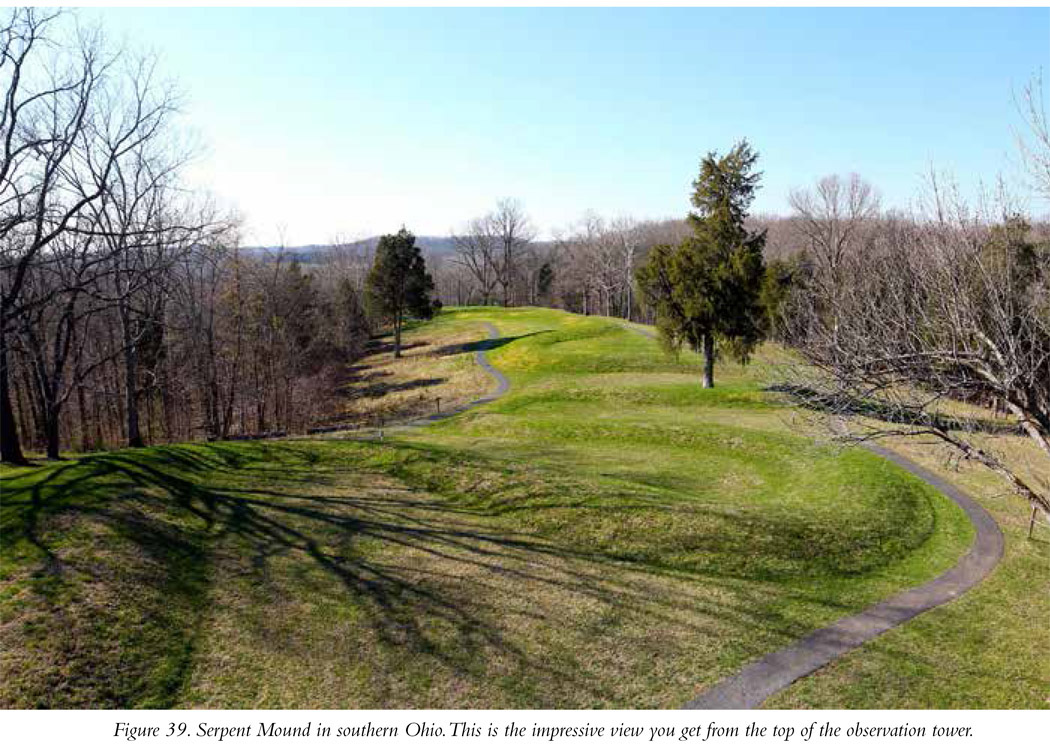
(175, 508)
(380, 389)
(841, 404)
(485, 344)
(385, 345)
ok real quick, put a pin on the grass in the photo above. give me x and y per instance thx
(436, 371)
(605, 535)
(988, 649)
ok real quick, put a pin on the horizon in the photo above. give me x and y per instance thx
(575, 110)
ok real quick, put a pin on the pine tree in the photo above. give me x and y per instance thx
(544, 281)
(398, 285)
(706, 291)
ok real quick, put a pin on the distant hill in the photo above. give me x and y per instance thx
(435, 246)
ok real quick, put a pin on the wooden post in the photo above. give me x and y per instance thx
(1031, 522)
(439, 405)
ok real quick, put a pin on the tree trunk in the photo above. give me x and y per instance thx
(51, 429)
(131, 392)
(22, 398)
(82, 413)
(10, 448)
(709, 361)
(397, 336)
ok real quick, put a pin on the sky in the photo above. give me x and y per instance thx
(343, 123)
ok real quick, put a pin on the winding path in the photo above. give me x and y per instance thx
(482, 359)
(760, 679)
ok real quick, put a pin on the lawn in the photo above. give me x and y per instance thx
(607, 534)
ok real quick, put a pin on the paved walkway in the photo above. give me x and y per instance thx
(482, 359)
(761, 679)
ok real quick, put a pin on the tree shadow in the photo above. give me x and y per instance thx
(438, 572)
(484, 344)
(845, 405)
(380, 389)
(385, 345)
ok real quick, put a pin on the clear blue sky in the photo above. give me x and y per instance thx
(351, 121)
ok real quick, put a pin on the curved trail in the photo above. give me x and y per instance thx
(761, 679)
(502, 384)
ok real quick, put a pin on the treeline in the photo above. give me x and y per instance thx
(587, 268)
(590, 267)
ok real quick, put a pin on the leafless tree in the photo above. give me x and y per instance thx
(69, 115)
(514, 231)
(350, 260)
(1035, 145)
(477, 251)
(57, 306)
(628, 239)
(834, 219)
(946, 315)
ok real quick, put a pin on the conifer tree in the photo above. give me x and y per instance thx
(398, 285)
(706, 290)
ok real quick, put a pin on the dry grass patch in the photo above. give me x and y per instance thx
(437, 364)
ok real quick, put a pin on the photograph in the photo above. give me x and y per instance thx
(524, 359)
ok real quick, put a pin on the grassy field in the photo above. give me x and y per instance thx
(605, 535)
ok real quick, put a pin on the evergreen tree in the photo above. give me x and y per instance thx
(706, 291)
(545, 281)
(398, 285)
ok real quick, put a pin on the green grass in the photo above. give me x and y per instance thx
(605, 535)
(988, 649)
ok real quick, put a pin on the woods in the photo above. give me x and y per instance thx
(933, 325)
(130, 313)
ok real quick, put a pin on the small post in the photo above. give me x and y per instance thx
(1031, 522)
(439, 405)
(380, 428)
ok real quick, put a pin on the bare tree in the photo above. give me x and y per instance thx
(514, 231)
(56, 306)
(477, 248)
(946, 315)
(1035, 147)
(68, 118)
(145, 223)
(628, 238)
(834, 219)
